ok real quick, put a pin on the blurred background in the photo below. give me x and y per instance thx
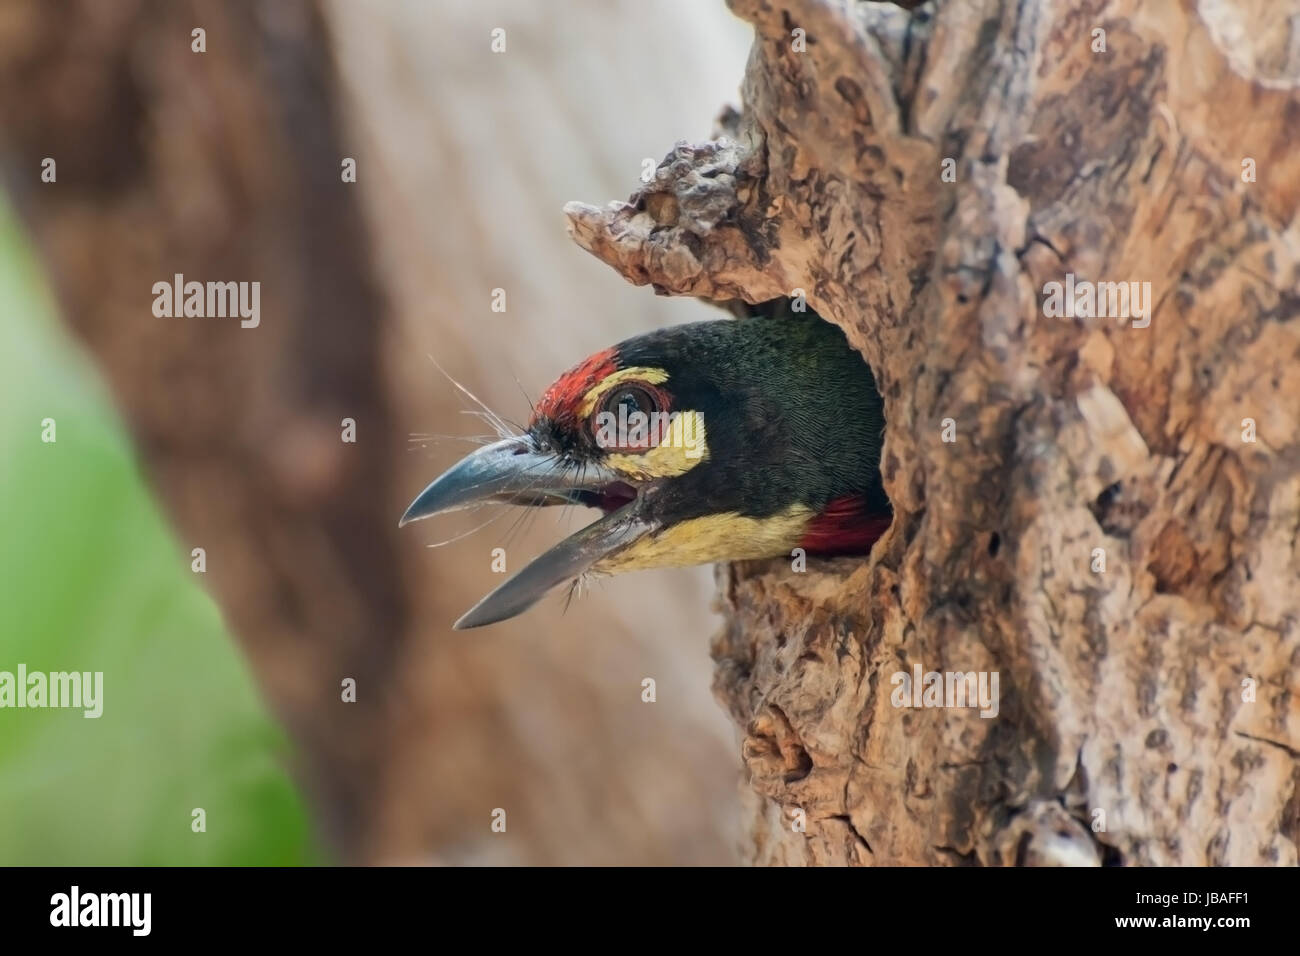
(222, 689)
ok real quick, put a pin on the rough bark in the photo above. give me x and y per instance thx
(1121, 691)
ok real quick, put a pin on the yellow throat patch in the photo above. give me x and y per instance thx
(720, 537)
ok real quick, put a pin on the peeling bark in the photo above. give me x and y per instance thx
(1123, 691)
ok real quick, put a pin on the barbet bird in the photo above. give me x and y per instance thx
(712, 441)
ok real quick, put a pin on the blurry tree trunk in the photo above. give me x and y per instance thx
(226, 165)
(173, 161)
(1115, 529)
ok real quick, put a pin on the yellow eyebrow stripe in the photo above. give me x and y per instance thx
(655, 376)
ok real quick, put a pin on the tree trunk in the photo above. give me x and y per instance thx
(1104, 513)
(172, 161)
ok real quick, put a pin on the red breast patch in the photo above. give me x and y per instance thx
(844, 527)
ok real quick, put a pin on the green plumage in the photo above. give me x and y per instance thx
(792, 413)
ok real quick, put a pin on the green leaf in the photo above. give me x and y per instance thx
(94, 581)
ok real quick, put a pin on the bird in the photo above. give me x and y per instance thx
(704, 442)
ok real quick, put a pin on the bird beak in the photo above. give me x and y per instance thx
(566, 561)
(511, 471)
(514, 471)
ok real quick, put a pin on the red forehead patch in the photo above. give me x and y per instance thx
(561, 399)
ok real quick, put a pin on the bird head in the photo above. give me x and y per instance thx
(713, 441)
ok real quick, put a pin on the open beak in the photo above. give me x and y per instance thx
(515, 471)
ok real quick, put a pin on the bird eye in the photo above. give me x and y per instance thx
(629, 400)
(631, 418)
